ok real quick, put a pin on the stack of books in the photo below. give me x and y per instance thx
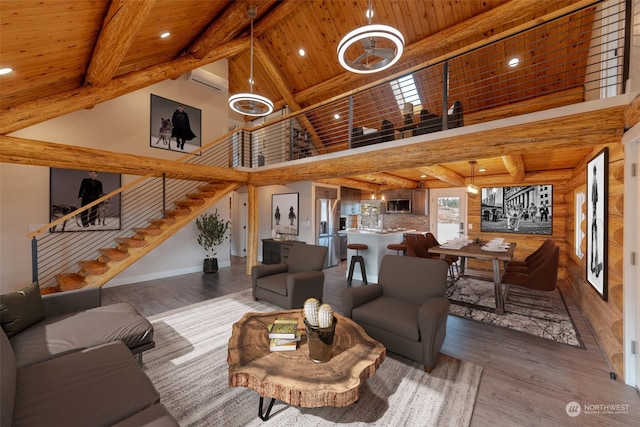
(284, 334)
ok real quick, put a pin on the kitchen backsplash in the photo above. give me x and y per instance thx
(408, 221)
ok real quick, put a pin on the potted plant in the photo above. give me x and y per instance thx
(212, 231)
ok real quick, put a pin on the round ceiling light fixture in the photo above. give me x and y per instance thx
(374, 58)
(249, 103)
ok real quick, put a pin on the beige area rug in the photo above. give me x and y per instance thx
(540, 313)
(189, 368)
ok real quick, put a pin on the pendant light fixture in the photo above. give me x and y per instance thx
(471, 188)
(374, 58)
(251, 104)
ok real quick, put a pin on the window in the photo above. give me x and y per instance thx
(405, 91)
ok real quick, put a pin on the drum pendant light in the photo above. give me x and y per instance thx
(251, 104)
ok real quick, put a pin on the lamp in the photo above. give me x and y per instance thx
(251, 104)
(471, 188)
(367, 35)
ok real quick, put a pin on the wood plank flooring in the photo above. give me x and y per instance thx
(527, 381)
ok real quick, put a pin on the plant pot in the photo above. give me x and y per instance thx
(210, 265)
(320, 341)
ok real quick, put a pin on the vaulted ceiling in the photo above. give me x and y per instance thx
(74, 54)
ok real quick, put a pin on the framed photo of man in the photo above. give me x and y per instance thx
(597, 221)
(71, 189)
(284, 213)
(174, 125)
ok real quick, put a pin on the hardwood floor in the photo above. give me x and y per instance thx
(527, 381)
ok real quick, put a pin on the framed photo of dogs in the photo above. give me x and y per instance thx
(174, 125)
(71, 189)
(597, 196)
(520, 210)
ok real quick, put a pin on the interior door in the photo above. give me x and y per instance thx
(239, 216)
(447, 213)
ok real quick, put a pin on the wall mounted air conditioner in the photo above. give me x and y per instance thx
(209, 80)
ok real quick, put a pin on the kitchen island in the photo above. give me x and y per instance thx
(377, 242)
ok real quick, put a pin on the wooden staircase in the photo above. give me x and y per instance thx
(112, 261)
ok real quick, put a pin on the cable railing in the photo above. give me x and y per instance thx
(571, 59)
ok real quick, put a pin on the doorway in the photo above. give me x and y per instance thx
(239, 214)
(447, 213)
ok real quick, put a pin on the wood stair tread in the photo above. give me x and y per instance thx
(131, 242)
(200, 195)
(93, 267)
(187, 203)
(178, 212)
(151, 231)
(162, 221)
(114, 254)
(211, 187)
(70, 281)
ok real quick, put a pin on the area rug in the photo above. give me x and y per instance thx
(539, 313)
(189, 369)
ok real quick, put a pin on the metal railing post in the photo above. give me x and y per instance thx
(445, 96)
(350, 121)
(34, 259)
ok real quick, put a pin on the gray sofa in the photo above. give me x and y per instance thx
(67, 361)
(407, 310)
(289, 285)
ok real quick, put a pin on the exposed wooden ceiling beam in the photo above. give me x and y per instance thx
(515, 166)
(511, 11)
(39, 153)
(353, 183)
(30, 113)
(228, 25)
(388, 180)
(119, 29)
(283, 88)
(443, 174)
(584, 129)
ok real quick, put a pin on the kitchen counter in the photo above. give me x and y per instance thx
(377, 241)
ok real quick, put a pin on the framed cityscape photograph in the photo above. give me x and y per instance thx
(284, 213)
(520, 210)
(597, 196)
(71, 189)
(174, 125)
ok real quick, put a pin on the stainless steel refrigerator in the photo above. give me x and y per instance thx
(328, 225)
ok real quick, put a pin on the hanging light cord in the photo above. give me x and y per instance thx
(251, 60)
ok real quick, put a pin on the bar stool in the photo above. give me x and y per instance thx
(397, 247)
(357, 258)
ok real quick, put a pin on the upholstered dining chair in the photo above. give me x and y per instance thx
(452, 260)
(545, 246)
(541, 274)
(407, 314)
(289, 285)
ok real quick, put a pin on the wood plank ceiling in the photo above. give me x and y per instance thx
(73, 54)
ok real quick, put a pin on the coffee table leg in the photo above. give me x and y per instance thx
(265, 416)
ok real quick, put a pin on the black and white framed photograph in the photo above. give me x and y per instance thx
(520, 210)
(597, 195)
(174, 126)
(284, 213)
(71, 189)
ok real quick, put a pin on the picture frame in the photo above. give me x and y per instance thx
(168, 132)
(285, 214)
(597, 222)
(65, 188)
(517, 209)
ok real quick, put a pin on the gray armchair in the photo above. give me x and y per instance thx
(289, 285)
(407, 310)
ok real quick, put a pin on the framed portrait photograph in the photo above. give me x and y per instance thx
(597, 195)
(174, 125)
(71, 189)
(284, 213)
(520, 210)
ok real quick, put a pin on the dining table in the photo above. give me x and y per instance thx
(502, 253)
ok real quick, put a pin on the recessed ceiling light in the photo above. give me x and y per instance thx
(482, 170)
(6, 70)
(423, 176)
(165, 35)
(336, 116)
(513, 62)
(302, 52)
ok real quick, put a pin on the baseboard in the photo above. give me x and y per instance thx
(159, 275)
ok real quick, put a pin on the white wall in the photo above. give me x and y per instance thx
(120, 125)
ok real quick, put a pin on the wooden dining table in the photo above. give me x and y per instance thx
(476, 252)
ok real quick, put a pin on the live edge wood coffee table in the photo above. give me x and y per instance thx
(290, 376)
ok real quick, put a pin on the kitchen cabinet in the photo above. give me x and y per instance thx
(418, 201)
(349, 201)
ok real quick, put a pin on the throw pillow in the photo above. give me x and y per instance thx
(21, 309)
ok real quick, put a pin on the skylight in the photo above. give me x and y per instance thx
(405, 91)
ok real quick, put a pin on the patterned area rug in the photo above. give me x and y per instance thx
(189, 369)
(539, 313)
